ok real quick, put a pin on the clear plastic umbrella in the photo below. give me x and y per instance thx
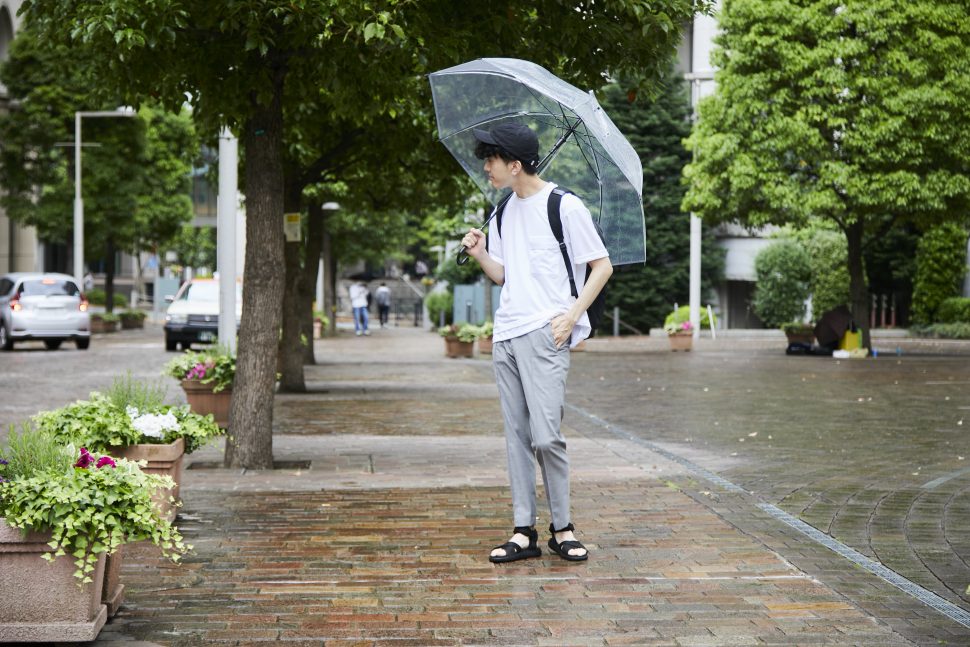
(583, 150)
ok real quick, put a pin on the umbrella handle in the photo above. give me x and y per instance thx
(463, 257)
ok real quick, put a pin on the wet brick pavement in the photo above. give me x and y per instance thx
(383, 539)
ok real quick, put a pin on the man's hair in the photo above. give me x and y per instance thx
(484, 151)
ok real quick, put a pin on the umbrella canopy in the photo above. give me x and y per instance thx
(584, 151)
(832, 326)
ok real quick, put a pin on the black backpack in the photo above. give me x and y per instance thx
(598, 306)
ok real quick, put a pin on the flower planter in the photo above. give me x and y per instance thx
(800, 338)
(161, 459)
(203, 401)
(485, 345)
(113, 591)
(132, 323)
(681, 342)
(99, 325)
(42, 602)
(456, 348)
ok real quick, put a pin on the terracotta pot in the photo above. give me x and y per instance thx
(455, 348)
(485, 345)
(162, 459)
(681, 342)
(42, 602)
(203, 401)
(113, 591)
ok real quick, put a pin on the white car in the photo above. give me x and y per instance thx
(43, 306)
(193, 316)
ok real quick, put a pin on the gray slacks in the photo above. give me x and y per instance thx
(531, 376)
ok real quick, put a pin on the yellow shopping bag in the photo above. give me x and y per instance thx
(851, 340)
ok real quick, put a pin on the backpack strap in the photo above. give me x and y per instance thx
(555, 223)
(499, 210)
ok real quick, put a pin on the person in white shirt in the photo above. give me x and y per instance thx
(358, 301)
(536, 323)
(383, 298)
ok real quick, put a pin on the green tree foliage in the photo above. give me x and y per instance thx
(135, 172)
(656, 128)
(844, 110)
(827, 255)
(784, 271)
(247, 63)
(941, 265)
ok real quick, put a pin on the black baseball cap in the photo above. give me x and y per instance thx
(518, 140)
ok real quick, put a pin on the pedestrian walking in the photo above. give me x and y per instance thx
(383, 297)
(537, 322)
(359, 301)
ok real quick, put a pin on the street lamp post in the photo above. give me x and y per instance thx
(78, 202)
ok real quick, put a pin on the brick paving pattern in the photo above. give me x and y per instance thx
(381, 536)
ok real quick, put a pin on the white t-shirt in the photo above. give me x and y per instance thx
(358, 295)
(536, 288)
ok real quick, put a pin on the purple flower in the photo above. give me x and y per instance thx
(197, 372)
(104, 461)
(85, 460)
(3, 462)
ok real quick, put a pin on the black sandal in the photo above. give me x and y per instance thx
(514, 552)
(562, 549)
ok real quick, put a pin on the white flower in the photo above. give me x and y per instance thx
(153, 425)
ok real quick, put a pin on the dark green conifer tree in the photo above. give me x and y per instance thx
(656, 127)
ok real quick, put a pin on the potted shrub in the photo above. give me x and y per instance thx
(680, 334)
(206, 377)
(72, 508)
(679, 329)
(104, 322)
(485, 338)
(320, 324)
(131, 421)
(459, 339)
(799, 332)
(131, 319)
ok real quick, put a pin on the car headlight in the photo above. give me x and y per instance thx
(177, 319)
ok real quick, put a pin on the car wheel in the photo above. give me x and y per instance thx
(186, 345)
(171, 345)
(5, 342)
(82, 343)
(52, 344)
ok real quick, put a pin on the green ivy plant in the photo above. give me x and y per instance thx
(90, 504)
(215, 366)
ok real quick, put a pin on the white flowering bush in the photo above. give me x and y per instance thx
(152, 425)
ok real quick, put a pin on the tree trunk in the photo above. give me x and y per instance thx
(291, 342)
(311, 267)
(109, 276)
(858, 293)
(250, 443)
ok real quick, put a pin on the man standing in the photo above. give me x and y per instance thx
(383, 295)
(536, 324)
(359, 296)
